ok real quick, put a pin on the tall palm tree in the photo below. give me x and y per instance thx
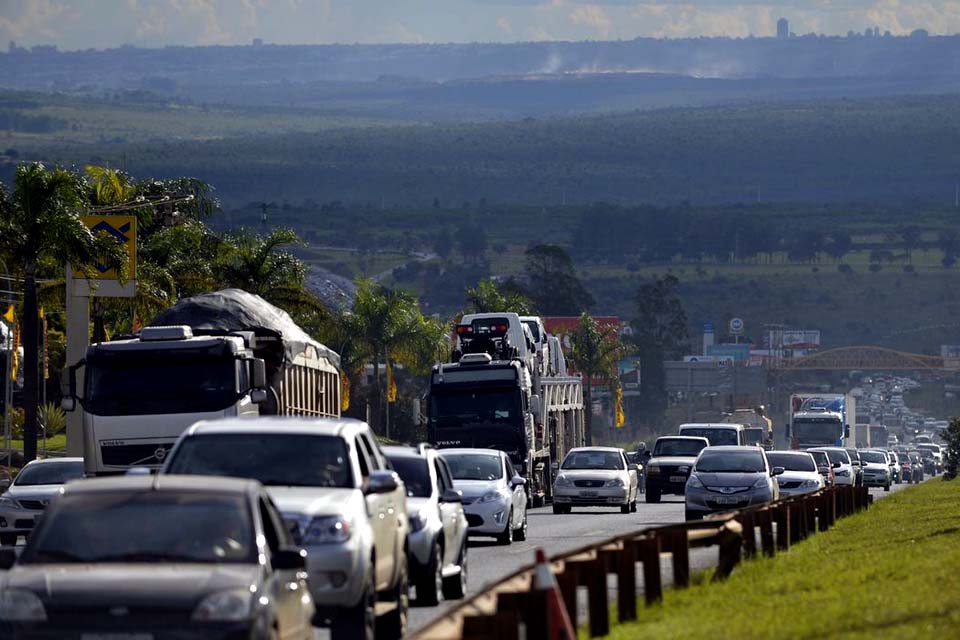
(39, 223)
(260, 265)
(489, 297)
(596, 353)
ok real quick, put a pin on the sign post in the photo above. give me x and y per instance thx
(98, 281)
(736, 329)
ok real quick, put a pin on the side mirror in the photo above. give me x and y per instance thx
(68, 403)
(382, 482)
(258, 396)
(835, 465)
(451, 495)
(289, 559)
(633, 467)
(258, 374)
(535, 404)
(518, 481)
(777, 471)
(8, 558)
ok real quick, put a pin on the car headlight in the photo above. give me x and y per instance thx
(843, 473)
(614, 482)
(760, 483)
(810, 483)
(563, 481)
(693, 482)
(493, 496)
(19, 605)
(8, 503)
(418, 521)
(326, 530)
(224, 606)
(653, 469)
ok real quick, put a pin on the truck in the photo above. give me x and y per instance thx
(487, 399)
(758, 427)
(222, 354)
(821, 420)
(878, 436)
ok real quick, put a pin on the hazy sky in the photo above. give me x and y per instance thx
(81, 24)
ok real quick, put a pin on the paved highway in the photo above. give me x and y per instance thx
(557, 533)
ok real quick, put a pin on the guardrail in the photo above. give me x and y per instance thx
(510, 609)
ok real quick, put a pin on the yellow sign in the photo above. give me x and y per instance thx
(124, 229)
(619, 418)
(391, 385)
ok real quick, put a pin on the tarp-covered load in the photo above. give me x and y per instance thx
(236, 310)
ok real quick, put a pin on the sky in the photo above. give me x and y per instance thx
(100, 24)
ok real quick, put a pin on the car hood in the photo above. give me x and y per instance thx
(475, 488)
(729, 479)
(875, 466)
(793, 476)
(312, 501)
(673, 460)
(129, 584)
(588, 474)
(36, 492)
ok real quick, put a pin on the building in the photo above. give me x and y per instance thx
(783, 29)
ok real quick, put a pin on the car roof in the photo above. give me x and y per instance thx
(828, 448)
(402, 451)
(791, 452)
(40, 461)
(162, 483)
(492, 452)
(340, 427)
(697, 438)
(713, 425)
(731, 447)
(576, 449)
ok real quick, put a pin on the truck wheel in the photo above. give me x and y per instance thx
(393, 625)
(359, 621)
(430, 584)
(521, 534)
(652, 496)
(455, 587)
(507, 536)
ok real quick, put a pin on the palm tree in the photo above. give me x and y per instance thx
(259, 265)
(41, 223)
(489, 297)
(596, 353)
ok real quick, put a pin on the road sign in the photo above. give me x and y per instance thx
(708, 327)
(124, 229)
(736, 326)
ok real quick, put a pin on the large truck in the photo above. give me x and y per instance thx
(822, 420)
(758, 428)
(488, 399)
(877, 436)
(215, 355)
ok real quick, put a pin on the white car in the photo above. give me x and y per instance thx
(800, 472)
(845, 473)
(596, 477)
(34, 487)
(494, 495)
(876, 468)
(338, 498)
(895, 469)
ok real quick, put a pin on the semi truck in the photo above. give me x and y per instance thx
(488, 399)
(222, 354)
(821, 420)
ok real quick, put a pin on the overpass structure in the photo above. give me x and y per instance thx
(864, 359)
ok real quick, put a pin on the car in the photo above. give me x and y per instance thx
(876, 468)
(24, 501)
(906, 466)
(730, 477)
(494, 494)
(844, 474)
(937, 452)
(896, 470)
(857, 466)
(669, 465)
(928, 461)
(824, 466)
(923, 438)
(339, 499)
(437, 544)
(158, 556)
(892, 440)
(596, 477)
(801, 474)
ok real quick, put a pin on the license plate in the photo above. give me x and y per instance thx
(588, 494)
(116, 636)
(727, 500)
(678, 478)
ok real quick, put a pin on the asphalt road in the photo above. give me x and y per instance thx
(489, 562)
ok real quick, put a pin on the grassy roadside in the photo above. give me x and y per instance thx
(889, 572)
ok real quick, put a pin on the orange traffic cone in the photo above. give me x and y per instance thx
(560, 627)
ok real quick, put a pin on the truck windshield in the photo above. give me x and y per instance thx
(145, 382)
(817, 431)
(473, 406)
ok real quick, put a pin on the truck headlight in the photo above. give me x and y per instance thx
(614, 482)
(326, 530)
(20, 605)
(224, 606)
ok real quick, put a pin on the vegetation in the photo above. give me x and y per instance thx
(596, 352)
(659, 333)
(905, 544)
(952, 459)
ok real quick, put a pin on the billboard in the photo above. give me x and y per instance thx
(793, 339)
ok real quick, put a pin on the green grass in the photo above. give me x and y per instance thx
(890, 572)
(57, 443)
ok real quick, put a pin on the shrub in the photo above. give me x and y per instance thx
(53, 418)
(952, 437)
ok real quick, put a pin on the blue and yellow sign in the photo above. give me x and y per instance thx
(124, 229)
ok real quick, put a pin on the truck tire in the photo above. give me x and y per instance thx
(652, 496)
(430, 583)
(455, 587)
(393, 625)
(506, 537)
(360, 620)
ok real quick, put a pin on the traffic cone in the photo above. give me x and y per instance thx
(560, 627)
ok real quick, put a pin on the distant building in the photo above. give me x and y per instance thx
(783, 29)
(258, 42)
(920, 34)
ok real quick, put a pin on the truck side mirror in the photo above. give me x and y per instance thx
(258, 374)
(846, 431)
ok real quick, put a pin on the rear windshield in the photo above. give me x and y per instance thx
(791, 461)
(49, 473)
(689, 448)
(821, 458)
(731, 462)
(414, 473)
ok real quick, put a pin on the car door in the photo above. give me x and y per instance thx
(519, 493)
(631, 478)
(450, 514)
(286, 587)
(380, 524)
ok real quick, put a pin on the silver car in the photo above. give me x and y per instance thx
(596, 477)
(437, 544)
(494, 495)
(728, 478)
(876, 468)
(801, 474)
(37, 483)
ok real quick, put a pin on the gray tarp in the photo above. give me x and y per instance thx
(236, 310)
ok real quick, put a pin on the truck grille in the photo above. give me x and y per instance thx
(127, 455)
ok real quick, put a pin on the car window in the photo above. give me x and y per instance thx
(444, 470)
(373, 457)
(593, 459)
(510, 472)
(474, 466)
(269, 526)
(791, 461)
(442, 483)
(688, 448)
(415, 473)
(362, 459)
(49, 473)
(731, 462)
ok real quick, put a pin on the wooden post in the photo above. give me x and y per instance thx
(781, 514)
(626, 566)
(503, 625)
(731, 544)
(597, 598)
(811, 510)
(748, 522)
(679, 547)
(650, 556)
(766, 532)
(568, 582)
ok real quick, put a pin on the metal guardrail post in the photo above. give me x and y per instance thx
(650, 556)
(765, 517)
(503, 625)
(747, 521)
(731, 546)
(781, 514)
(597, 598)
(626, 566)
(795, 520)
(679, 547)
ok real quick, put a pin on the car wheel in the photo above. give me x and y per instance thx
(507, 536)
(557, 509)
(360, 620)
(8, 539)
(430, 584)
(652, 496)
(455, 587)
(521, 534)
(633, 506)
(393, 625)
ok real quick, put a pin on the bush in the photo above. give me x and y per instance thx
(53, 418)
(952, 437)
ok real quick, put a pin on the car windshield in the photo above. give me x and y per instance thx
(838, 455)
(607, 460)
(791, 461)
(678, 447)
(275, 459)
(873, 456)
(145, 527)
(49, 473)
(731, 462)
(414, 473)
(474, 466)
(821, 458)
(717, 436)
